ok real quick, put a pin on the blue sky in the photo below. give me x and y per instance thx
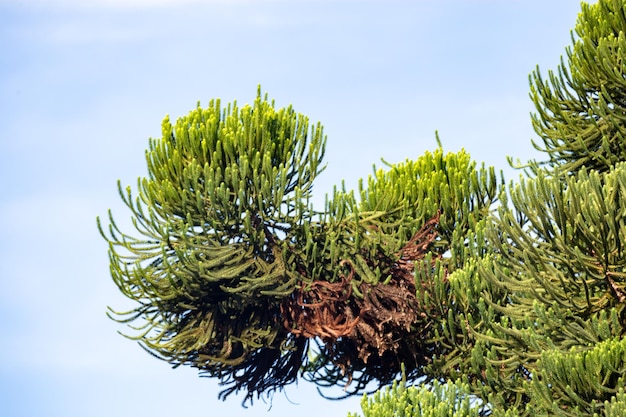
(85, 83)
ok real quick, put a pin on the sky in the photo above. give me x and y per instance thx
(84, 84)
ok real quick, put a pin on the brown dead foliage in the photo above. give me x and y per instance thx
(322, 310)
(376, 333)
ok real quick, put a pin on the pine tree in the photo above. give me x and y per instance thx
(235, 273)
(559, 250)
(543, 307)
(516, 311)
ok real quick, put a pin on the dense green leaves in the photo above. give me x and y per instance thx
(536, 316)
(226, 197)
(557, 255)
(235, 274)
(581, 109)
(449, 400)
(579, 382)
(376, 235)
(564, 240)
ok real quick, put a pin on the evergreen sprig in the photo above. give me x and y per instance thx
(581, 109)
(224, 204)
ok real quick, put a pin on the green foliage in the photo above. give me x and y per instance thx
(616, 407)
(226, 198)
(450, 400)
(580, 382)
(555, 295)
(535, 314)
(235, 274)
(520, 309)
(564, 241)
(581, 109)
(436, 400)
(450, 183)
(393, 204)
(558, 255)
